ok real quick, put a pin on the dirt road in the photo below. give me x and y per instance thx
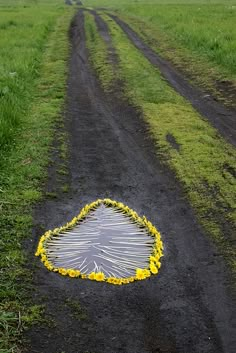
(222, 118)
(187, 308)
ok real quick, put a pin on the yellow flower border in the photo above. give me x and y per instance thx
(154, 259)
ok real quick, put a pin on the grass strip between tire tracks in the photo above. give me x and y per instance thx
(99, 53)
(22, 171)
(200, 158)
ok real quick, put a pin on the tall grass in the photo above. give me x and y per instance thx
(23, 32)
(208, 31)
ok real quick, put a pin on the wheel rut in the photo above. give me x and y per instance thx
(187, 307)
(104, 33)
(222, 118)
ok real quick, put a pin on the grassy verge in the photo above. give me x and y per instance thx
(98, 50)
(202, 65)
(197, 37)
(185, 24)
(23, 166)
(203, 162)
(23, 32)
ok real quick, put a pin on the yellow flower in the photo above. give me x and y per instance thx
(63, 271)
(39, 248)
(83, 276)
(120, 205)
(46, 263)
(139, 270)
(146, 273)
(153, 268)
(43, 258)
(140, 274)
(155, 232)
(42, 238)
(92, 276)
(72, 273)
(100, 276)
(152, 259)
(117, 281)
(159, 253)
(56, 231)
(125, 280)
(110, 280)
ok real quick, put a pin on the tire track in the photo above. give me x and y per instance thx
(104, 33)
(223, 119)
(187, 308)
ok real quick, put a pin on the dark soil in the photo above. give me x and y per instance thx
(222, 118)
(228, 87)
(188, 307)
(172, 141)
(68, 2)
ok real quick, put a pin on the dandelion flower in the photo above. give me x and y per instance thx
(100, 276)
(147, 273)
(110, 280)
(153, 259)
(153, 268)
(72, 273)
(125, 281)
(140, 274)
(92, 276)
(116, 281)
(43, 258)
(63, 271)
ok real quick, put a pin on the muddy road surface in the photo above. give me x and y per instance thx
(188, 307)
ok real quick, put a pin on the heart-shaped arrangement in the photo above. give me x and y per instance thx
(107, 241)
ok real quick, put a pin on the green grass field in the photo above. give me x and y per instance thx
(199, 37)
(185, 23)
(34, 50)
(24, 29)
